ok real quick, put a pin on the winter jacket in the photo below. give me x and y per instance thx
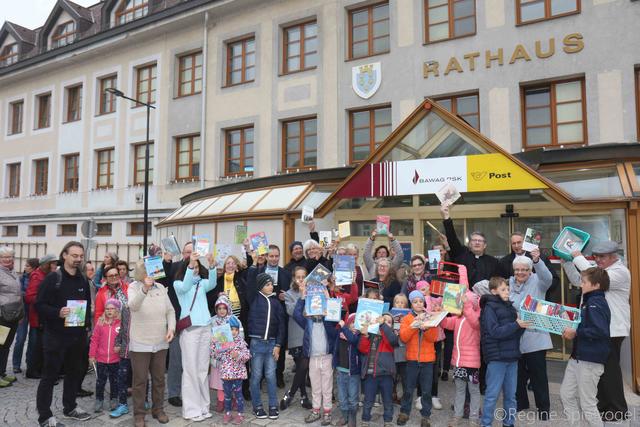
(500, 333)
(185, 289)
(389, 291)
(103, 340)
(419, 343)
(104, 293)
(466, 333)
(230, 368)
(10, 288)
(266, 319)
(292, 264)
(384, 344)
(307, 324)
(536, 285)
(295, 332)
(592, 343)
(481, 267)
(369, 261)
(37, 276)
(345, 351)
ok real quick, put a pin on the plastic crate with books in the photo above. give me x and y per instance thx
(548, 316)
(570, 239)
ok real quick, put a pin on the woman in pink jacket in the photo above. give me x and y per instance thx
(466, 357)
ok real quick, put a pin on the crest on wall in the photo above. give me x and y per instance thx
(366, 79)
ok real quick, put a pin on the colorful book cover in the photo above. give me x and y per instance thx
(221, 336)
(326, 237)
(315, 300)
(259, 243)
(532, 240)
(432, 320)
(434, 257)
(221, 251)
(398, 314)
(201, 245)
(318, 274)
(372, 284)
(448, 194)
(452, 298)
(307, 214)
(153, 265)
(170, 244)
(334, 309)
(77, 313)
(369, 311)
(240, 234)
(383, 225)
(344, 230)
(343, 268)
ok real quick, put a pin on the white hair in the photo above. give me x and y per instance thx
(7, 250)
(353, 247)
(522, 260)
(310, 244)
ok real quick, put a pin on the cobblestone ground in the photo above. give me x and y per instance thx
(18, 407)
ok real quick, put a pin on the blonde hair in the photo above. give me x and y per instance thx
(235, 259)
(402, 297)
(139, 271)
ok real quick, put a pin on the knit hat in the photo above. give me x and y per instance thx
(223, 300)
(294, 244)
(416, 294)
(262, 280)
(422, 284)
(114, 302)
(234, 322)
(47, 259)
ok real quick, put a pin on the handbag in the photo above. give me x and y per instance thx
(185, 322)
(12, 312)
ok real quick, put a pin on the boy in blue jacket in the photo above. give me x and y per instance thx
(590, 350)
(346, 360)
(501, 331)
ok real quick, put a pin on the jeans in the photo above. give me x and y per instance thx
(21, 338)
(418, 373)
(107, 371)
(233, 389)
(124, 367)
(263, 363)
(372, 385)
(34, 352)
(500, 376)
(174, 375)
(348, 392)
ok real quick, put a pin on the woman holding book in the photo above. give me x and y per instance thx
(395, 254)
(232, 283)
(385, 277)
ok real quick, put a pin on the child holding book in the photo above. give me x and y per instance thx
(400, 301)
(101, 350)
(419, 338)
(378, 367)
(346, 360)
(466, 357)
(318, 344)
(500, 339)
(233, 371)
(590, 350)
(223, 314)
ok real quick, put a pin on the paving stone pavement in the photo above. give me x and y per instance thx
(18, 407)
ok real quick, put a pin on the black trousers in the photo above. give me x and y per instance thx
(34, 352)
(533, 366)
(6, 347)
(611, 402)
(448, 350)
(300, 378)
(59, 351)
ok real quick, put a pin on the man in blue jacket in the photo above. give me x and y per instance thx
(590, 350)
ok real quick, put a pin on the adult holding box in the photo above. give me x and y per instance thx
(611, 401)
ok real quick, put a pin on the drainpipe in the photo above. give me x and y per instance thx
(203, 118)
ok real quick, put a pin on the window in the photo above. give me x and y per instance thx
(554, 114)
(538, 10)
(146, 83)
(37, 230)
(41, 181)
(241, 61)
(369, 30)
(138, 164)
(104, 229)
(10, 231)
(188, 158)
(367, 130)
(190, 74)
(9, 55)
(239, 151)
(67, 229)
(300, 47)
(137, 228)
(74, 103)
(44, 111)
(106, 160)
(14, 179)
(71, 162)
(449, 19)
(17, 111)
(130, 10)
(64, 34)
(466, 106)
(300, 144)
(107, 100)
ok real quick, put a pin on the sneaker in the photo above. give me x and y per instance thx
(260, 414)
(226, 419)
(435, 402)
(305, 403)
(425, 422)
(312, 417)
(97, 407)
(444, 376)
(119, 411)
(402, 419)
(9, 378)
(78, 414)
(113, 404)
(175, 401)
(51, 422)
(197, 419)
(207, 415)
(238, 419)
(4, 383)
(326, 418)
(419, 403)
(273, 413)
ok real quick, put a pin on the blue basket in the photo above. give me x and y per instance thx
(552, 324)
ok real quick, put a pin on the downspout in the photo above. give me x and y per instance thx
(203, 118)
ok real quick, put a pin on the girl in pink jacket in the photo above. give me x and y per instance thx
(102, 351)
(466, 357)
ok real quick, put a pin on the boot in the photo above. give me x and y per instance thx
(353, 416)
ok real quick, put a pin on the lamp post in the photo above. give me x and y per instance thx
(120, 94)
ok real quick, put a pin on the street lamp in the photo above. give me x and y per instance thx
(120, 94)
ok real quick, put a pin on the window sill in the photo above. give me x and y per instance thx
(187, 95)
(288, 73)
(551, 146)
(237, 84)
(71, 121)
(427, 42)
(69, 192)
(535, 21)
(349, 59)
(106, 113)
(185, 180)
(301, 169)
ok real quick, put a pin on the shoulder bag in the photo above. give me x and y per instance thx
(185, 322)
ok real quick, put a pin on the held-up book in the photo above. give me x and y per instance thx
(273, 272)
(368, 313)
(334, 309)
(221, 251)
(452, 298)
(344, 230)
(326, 237)
(240, 234)
(259, 243)
(343, 268)
(170, 244)
(318, 274)
(77, 313)
(153, 265)
(307, 214)
(433, 260)
(398, 314)
(315, 300)
(372, 284)
(448, 194)
(432, 320)
(383, 225)
(221, 336)
(532, 240)
(201, 245)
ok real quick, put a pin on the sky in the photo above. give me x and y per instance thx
(31, 13)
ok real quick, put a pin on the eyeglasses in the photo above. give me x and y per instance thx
(111, 276)
(477, 240)
(521, 270)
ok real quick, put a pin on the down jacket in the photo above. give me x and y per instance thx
(307, 324)
(267, 319)
(384, 344)
(592, 336)
(466, 333)
(230, 368)
(419, 343)
(500, 331)
(103, 340)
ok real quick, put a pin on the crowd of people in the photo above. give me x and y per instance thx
(138, 331)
